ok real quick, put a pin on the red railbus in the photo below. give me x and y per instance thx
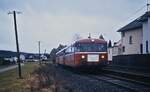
(84, 53)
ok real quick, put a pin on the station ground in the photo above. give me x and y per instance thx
(9, 80)
(53, 78)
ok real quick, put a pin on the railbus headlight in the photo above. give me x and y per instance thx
(102, 56)
(82, 56)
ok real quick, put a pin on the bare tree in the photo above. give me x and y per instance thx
(101, 37)
(109, 44)
(76, 37)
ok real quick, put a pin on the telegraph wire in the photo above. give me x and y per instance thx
(132, 17)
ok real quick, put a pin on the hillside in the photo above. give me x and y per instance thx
(5, 53)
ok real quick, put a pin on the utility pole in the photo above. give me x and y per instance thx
(17, 43)
(39, 45)
(89, 35)
(45, 51)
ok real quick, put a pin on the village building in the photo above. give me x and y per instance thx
(135, 37)
(114, 50)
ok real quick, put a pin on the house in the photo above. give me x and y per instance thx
(22, 57)
(114, 50)
(43, 57)
(135, 37)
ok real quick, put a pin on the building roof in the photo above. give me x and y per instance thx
(137, 23)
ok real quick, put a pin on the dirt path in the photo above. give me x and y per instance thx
(8, 68)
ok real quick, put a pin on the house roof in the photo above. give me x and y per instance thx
(137, 23)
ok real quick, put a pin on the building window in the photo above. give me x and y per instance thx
(146, 46)
(141, 48)
(123, 34)
(123, 48)
(130, 40)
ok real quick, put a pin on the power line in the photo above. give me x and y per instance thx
(132, 15)
(137, 11)
(141, 8)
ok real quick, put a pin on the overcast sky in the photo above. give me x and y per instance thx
(55, 22)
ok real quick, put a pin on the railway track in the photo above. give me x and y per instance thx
(131, 86)
(142, 79)
(122, 80)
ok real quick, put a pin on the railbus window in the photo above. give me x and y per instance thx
(94, 47)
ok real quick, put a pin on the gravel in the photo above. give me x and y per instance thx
(68, 81)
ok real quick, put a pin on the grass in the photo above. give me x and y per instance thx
(9, 81)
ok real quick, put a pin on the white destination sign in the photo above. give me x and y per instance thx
(93, 58)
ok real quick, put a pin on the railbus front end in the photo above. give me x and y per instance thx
(85, 53)
(91, 53)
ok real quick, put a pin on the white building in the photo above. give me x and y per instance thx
(114, 50)
(109, 50)
(43, 57)
(135, 37)
(22, 57)
(146, 35)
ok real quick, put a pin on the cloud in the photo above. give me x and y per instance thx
(51, 29)
(7, 39)
(55, 22)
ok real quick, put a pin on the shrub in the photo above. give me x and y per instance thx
(4, 62)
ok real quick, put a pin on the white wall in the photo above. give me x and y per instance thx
(113, 51)
(133, 48)
(109, 54)
(146, 35)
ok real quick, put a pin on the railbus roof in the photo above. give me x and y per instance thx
(91, 40)
(88, 40)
